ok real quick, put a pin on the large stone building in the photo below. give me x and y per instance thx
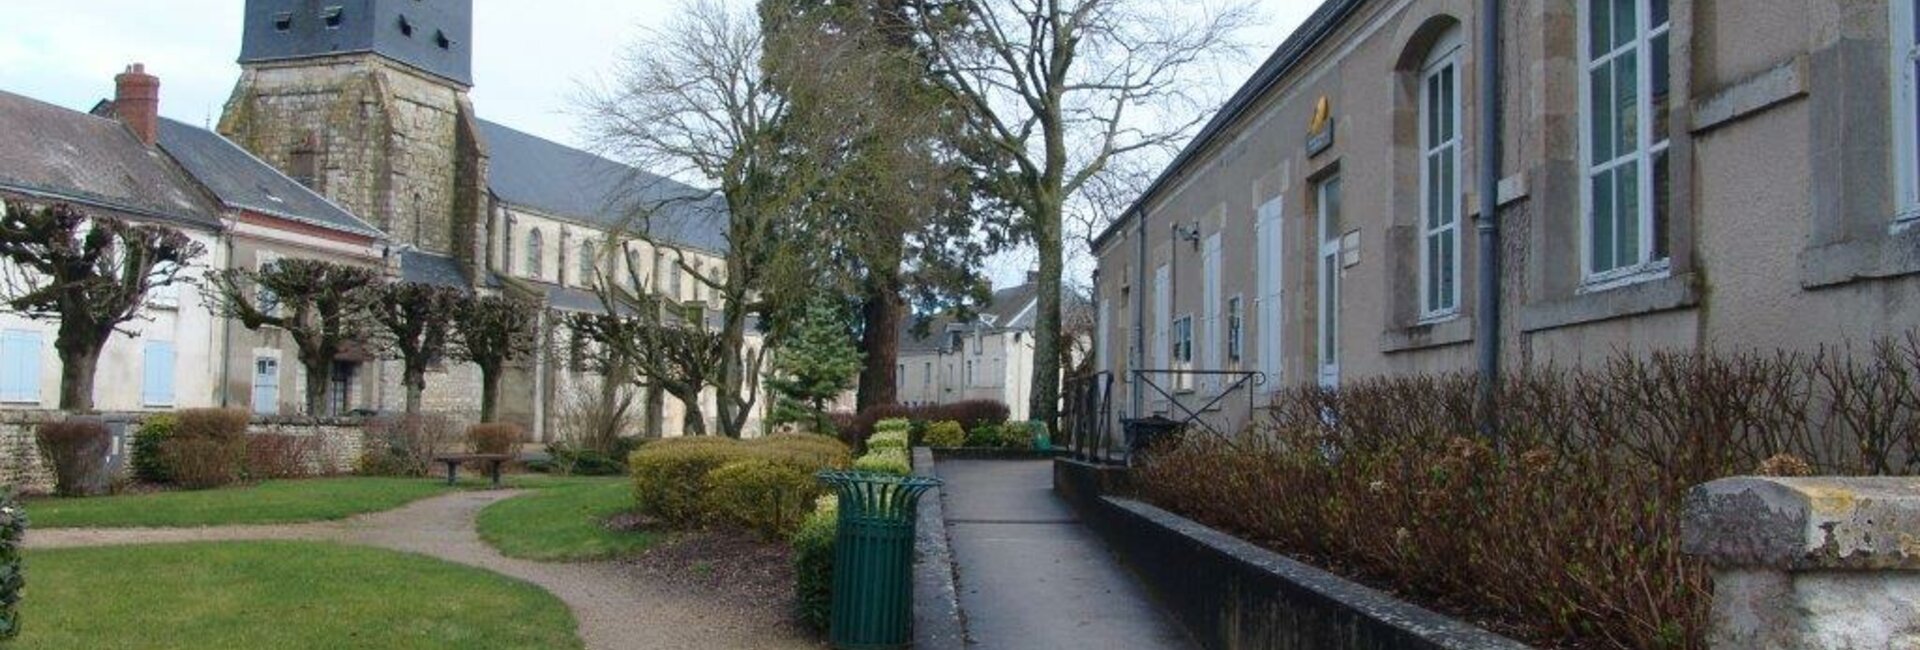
(367, 103)
(1672, 174)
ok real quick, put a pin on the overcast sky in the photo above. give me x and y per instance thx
(529, 55)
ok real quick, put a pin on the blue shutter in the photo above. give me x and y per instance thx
(20, 366)
(157, 382)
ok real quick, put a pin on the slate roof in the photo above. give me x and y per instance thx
(53, 153)
(379, 26)
(428, 268)
(240, 180)
(1008, 309)
(552, 178)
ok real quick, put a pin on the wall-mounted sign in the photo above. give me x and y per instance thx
(1320, 131)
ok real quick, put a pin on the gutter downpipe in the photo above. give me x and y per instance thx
(1488, 325)
(1139, 347)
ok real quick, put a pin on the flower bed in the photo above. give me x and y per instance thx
(1565, 528)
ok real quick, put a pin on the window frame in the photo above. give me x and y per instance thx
(1647, 266)
(1903, 50)
(536, 262)
(1444, 58)
(1328, 264)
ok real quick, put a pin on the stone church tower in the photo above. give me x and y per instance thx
(366, 102)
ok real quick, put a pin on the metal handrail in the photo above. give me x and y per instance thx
(1243, 379)
(1087, 418)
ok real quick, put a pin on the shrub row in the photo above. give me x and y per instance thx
(813, 546)
(13, 533)
(854, 429)
(766, 484)
(406, 445)
(1566, 526)
(1010, 435)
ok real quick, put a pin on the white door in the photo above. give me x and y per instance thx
(1329, 271)
(1268, 314)
(266, 385)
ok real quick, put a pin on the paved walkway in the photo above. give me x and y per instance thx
(616, 608)
(1031, 576)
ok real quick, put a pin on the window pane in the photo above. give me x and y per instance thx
(1449, 285)
(1330, 209)
(1599, 18)
(1624, 26)
(1433, 134)
(1626, 111)
(1601, 114)
(1330, 265)
(1660, 85)
(1433, 190)
(1662, 209)
(1659, 14)
(1448, 180)
(1627, 210)
(1449, 122)
(1432, 273)
(1600, 231)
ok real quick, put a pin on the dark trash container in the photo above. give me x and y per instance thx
(1143, 434)
(873, 558)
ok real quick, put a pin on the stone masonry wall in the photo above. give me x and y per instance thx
(341, 442)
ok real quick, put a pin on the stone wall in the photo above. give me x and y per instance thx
(339, 442)
(339, 445)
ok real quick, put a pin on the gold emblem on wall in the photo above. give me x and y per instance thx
(1320, 130)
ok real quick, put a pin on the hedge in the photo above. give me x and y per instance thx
(672, 477)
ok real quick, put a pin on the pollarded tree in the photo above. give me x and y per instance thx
(495, 330)
(321, 305)
(815, 363)
(1059, 90)
(89, 273)
(415, 322)
(679, 359)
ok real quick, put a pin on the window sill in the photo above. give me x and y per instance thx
(1453, 330)
(1597, 303)
(1873, 258)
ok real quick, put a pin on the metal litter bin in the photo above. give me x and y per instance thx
(873, 558)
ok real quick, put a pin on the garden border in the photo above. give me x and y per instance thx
(937, 622)
(1230, 593)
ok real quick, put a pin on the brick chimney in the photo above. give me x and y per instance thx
(136, 101)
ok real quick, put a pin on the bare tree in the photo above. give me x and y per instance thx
(1061, 89)
(321, 305)
(91, 274)
(415, 322)
(495, 330)
(692, 101)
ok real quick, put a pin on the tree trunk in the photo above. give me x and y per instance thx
(692, 421)
(319, 386)
(880, 340)
(415, 379)
(1043, 404)
(489, 393)
(729, 403)
(77, 366)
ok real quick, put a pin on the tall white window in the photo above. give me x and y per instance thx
(1182, 351)
(589, 270)
(1905, 42)
(1269, 242)
(1329, 270)
(1440, 180)
(20, 366)
(156, 385)
(534, 269)
(1210, 305)
(1162, 316)
(1625, 97)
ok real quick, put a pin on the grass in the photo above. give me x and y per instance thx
(278, 595)
(563, 521)
(269, 502)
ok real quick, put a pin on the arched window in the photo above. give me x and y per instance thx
(533, 253)
(1440, 194)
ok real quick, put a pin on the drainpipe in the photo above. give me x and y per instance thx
(1139, 351)
(1488, 325)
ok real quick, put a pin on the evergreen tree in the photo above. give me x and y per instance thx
(816, 364)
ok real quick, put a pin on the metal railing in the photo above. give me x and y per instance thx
(1087, 419)
(1215, 395)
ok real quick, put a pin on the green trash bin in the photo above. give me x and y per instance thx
(873, 558)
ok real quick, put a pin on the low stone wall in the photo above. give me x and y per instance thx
(1809, 563)
(339, 443)
(1232, 594)
(936, 600)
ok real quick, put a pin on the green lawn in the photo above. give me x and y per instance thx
(278, 595)
(562, 521)
(270, 502)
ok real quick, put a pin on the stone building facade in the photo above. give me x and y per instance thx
(1673, 174)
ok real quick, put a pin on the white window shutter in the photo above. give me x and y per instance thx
(1162, 317)
(1102, 358)
(1269, 251)
(20, 366)
(157, 374)
(1210, 310)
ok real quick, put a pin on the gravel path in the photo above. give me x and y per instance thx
(615, 606)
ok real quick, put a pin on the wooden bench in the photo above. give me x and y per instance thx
(453, 462)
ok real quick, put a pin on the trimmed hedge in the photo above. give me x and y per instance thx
(885, 461)
(673, 477)
(208, 447)
(945, 433)
(854, 429)
(13, 532)
(147, 440)
(813, 564)
(765, 496)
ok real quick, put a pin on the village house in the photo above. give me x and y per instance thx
(986, 357)
(1668, 174)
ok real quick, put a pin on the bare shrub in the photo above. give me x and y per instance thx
(1564, 528)
(282, 455)
(406, 445)
(596, 420)
(78, 450)
(495, 437)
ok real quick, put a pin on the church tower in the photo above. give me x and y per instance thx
(366, 102)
